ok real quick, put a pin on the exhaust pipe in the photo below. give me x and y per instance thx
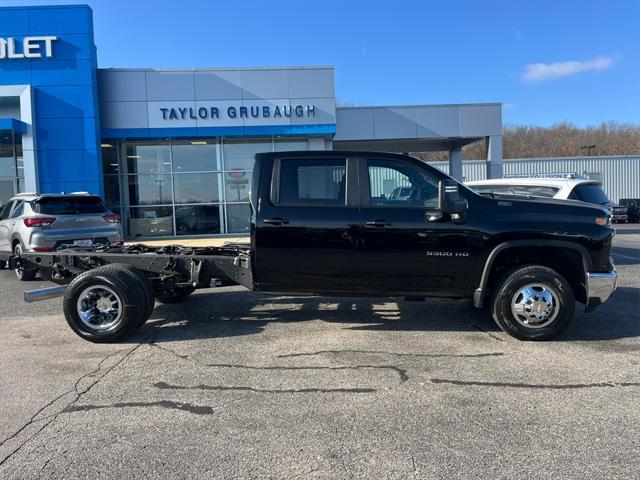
(31, 296)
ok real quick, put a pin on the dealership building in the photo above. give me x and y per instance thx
(172, 150)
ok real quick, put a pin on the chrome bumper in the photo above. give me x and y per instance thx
(600, 286)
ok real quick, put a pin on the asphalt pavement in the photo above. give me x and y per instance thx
(233, 384)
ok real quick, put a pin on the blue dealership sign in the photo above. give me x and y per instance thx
(50, 49)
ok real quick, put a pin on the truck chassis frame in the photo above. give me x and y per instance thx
(194, 267)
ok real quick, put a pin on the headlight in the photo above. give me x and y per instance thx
(603, 221)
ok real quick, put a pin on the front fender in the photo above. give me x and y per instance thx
(480, 292)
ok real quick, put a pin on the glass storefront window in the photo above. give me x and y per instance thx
(7, 189)
(112, 191)
(238, 155)
(20, 167)
(184, 187)
(195, 156)
(238, 218)
(196, 187)
(110, 163)
(150, 189)
(236, 184)
(11, 164)
(148, 157)
(7, 167)
(6, 144)
(150, 221)
(197, 219)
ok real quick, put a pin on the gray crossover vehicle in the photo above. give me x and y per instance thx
(42, 223)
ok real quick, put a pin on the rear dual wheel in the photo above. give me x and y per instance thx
(108, 303)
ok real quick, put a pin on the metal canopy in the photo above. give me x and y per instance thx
(407, 145)
(424, 128)
(13, 124)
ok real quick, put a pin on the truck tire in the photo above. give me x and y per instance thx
(533, 303)
(22, 274)
(176, 295)
(3, 264)
(104, 304)
(145, 284)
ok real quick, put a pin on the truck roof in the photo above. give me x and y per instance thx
(334, 153)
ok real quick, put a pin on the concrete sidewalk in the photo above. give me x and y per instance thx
(193, 242)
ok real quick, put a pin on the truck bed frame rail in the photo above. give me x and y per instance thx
(198, 267)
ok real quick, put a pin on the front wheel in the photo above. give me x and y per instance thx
(533, 303)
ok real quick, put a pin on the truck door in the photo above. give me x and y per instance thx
(307, 226)
(402, 252)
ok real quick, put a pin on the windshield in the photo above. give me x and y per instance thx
(517, 190)
(69, 205)
(591, 193)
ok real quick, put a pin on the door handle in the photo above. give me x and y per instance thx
(378, 223)
(275, 221)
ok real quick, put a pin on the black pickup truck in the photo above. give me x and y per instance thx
(358, 224)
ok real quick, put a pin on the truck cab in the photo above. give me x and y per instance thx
(329, 223)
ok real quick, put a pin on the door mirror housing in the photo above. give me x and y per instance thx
(451, 203)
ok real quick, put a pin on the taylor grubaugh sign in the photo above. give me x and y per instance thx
(237, 112)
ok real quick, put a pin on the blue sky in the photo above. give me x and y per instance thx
(546, 61)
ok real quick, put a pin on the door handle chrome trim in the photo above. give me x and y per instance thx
(275, 221)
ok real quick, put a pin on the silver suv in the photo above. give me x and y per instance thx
(42, 223)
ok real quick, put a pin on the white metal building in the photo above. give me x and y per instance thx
(619, 174)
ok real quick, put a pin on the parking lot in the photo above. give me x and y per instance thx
(232, 384)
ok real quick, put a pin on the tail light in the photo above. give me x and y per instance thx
(112, 218)
(38, 221)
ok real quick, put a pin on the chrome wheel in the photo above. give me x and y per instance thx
(99, 308)
(535, 305)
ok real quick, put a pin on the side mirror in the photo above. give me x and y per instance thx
(450, 202)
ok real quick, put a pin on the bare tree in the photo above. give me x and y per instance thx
(559, 140)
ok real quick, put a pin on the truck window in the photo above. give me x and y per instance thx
(400, 184)
(69, 205)
(313, 181)
(591, 193)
